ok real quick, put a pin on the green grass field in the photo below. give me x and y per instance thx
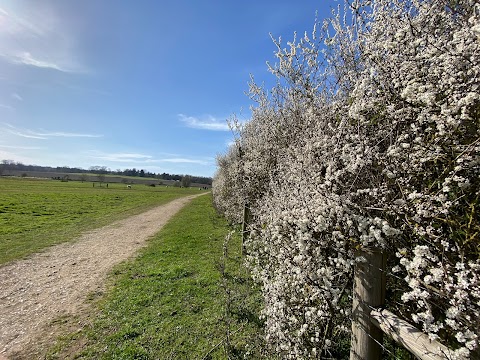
(186, 296)
(35, 214)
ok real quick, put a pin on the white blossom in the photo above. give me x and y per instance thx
(370, 139)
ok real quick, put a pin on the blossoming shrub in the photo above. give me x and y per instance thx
(370, 139)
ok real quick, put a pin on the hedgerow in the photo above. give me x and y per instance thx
(370, 139)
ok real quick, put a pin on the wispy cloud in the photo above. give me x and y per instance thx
(44, 135)
(26, 135)
(122, 157)
(143, 159)
(206, 123)
(67, 134)
(17, 97)
(37, 37)
(21, 147)
(186, 161)
(8, 107)
(14, 24)
(26, 58)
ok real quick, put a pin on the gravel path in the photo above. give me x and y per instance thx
(38, 291)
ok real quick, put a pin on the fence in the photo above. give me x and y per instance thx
(369, 320)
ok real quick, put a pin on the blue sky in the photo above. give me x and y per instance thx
(146, 84)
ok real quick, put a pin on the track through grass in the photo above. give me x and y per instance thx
(186, 296)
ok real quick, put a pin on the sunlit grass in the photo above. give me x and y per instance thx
(171, 301)
(35, 214)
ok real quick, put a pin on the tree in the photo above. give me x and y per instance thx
(8, 164)
(101, 177)
(101, 172)
(186, 181)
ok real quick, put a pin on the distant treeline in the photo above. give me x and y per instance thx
(12, 165)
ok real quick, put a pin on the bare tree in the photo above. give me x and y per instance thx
(101, 172)
(186, 181)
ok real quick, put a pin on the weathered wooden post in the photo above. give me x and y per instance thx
(368, 292)
(412, 339)
(247, 216)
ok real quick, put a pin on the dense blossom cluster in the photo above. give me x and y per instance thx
(371, 139)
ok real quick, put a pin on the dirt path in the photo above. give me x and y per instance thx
(37, 291)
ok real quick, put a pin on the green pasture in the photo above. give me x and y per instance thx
(186, 296)
(35, 214)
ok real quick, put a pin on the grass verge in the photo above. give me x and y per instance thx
(35, 214)
(186, 296)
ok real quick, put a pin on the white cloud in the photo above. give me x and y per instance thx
(135, 158)
(21, 147)
(13, 24)
(17, 97)
(130, 156)
(8, 107)
(66, 134)
(122, 157)
(186, 161)
(36, 36)
(26, 135)
(44, 135)
(207, 123)
(26, 58)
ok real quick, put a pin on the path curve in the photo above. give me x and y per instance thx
(36, 291)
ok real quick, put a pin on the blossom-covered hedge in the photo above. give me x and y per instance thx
(370, 139)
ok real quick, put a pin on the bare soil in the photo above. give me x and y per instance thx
(42, 293)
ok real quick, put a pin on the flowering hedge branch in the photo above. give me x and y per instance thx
(370, 139)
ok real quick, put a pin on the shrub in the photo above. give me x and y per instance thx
(369, 140)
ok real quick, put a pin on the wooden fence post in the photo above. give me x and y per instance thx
(247, 216)
(368, 292)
